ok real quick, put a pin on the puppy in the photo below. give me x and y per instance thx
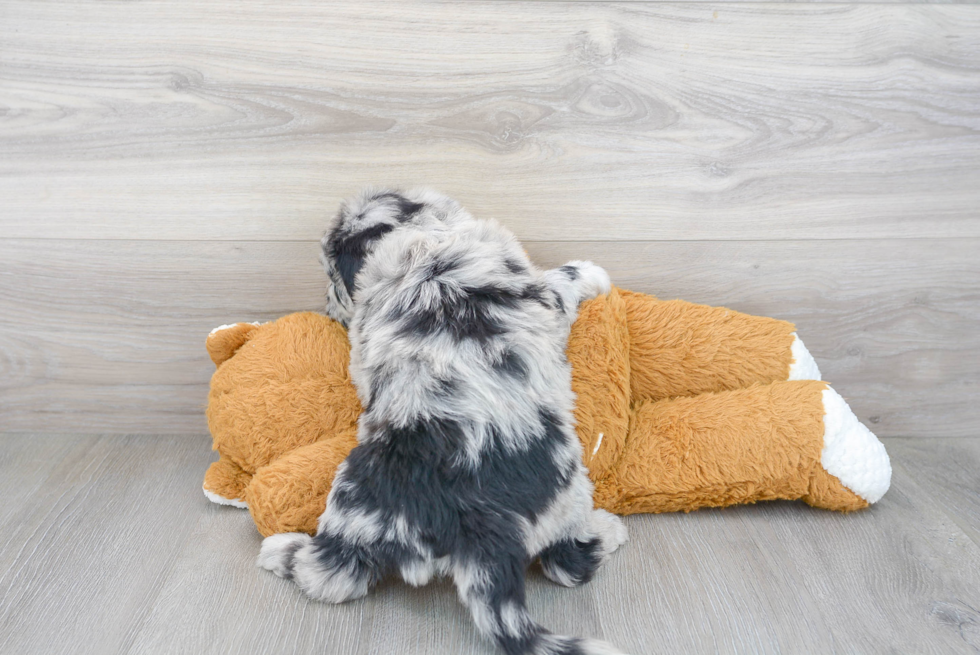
(467, 461)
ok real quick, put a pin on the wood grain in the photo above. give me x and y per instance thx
(570, 121)
(109, 335)
(925, 572)
(773, 578)
(216, 600)
(82, 556)
(110, 547)
(949, 469)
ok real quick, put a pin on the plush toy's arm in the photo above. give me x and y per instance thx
(679, 348)
(225, 340)
(787, 440)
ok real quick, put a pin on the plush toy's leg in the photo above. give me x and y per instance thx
(290, 494)
(225, 483)
(678, 348)
(851, 456)
(787, 440)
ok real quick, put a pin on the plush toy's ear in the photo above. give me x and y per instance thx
(224, 341)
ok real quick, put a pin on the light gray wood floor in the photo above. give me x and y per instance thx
(107, 545)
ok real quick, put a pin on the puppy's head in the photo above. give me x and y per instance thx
(358, 227)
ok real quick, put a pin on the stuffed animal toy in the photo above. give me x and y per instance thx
(679, 406)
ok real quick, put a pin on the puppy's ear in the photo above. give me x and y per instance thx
(348, 264)
(349, 250)
(224, 341)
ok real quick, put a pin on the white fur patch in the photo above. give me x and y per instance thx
(851, 452)
(804, 367)
(515, 620)
(418, 573)
(609, 528)
(230, 325)
(277, 549)
(331, 585)
(221, 500)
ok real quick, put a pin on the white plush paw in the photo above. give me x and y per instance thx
(609, 528)
(221, 500)
(278, 551)
(851, 452)
(229, 325)
(593, 279)
(803, 367)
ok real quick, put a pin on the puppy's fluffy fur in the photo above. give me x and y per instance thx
(467, 461)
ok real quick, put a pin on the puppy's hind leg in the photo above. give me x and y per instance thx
(325, 566)
(573, 561)
(278, 552)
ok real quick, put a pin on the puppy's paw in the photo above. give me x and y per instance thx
(610, 530)
(279, 551)
(590, 280)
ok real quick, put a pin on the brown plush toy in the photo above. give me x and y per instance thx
(679, 406)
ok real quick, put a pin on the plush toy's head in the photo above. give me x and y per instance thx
(278, 386)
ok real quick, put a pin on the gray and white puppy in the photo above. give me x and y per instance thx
(467, 461)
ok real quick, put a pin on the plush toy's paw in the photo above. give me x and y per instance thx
(851, 452)
(803, 366)
(224, 340)
(221, 500)
(591, 281)
(225, 483)
(279, 550)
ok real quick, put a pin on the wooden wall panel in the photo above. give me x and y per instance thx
(109, 335)
(577, 121)
(167, 167)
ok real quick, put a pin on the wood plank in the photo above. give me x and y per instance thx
(109, 335)
(223, 603)
(782, 578)
(569, 121)
(902, 577)
(83, 556)
(215, 600)
(26, 463)
(712, 581)
(949, 470)
(118, 552)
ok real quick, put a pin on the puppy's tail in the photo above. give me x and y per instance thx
(496, 601)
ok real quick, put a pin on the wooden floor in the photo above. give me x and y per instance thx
(107, 545)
